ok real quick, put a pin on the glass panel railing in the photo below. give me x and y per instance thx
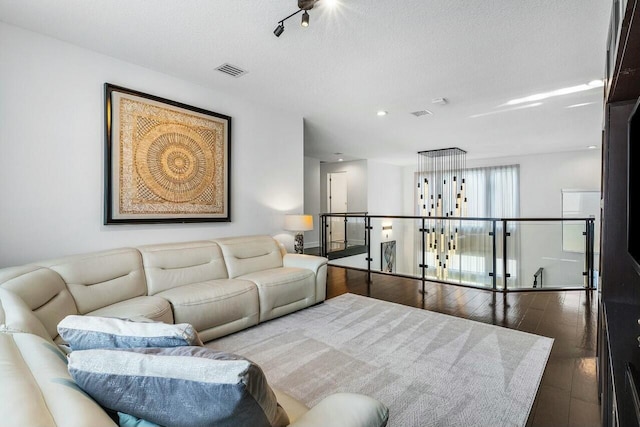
(393, 246)
(459, 251)
(547, 254)
(345, 236)
(498, 254)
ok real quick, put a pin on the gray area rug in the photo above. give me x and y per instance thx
(430, 369)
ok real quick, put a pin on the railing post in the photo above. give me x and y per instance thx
(424, 258)
(368, 227)
(324, 234)
(495, 256)
(592, 251)
(320, 234)
(365, 235)
(505, 274)
(588, 253)
(345, 232)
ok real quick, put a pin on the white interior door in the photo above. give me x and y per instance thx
(337, 203)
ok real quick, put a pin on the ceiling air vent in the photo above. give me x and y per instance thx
(422, 113)
(231, 70)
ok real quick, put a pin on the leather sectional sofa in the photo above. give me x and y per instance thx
(219, 286)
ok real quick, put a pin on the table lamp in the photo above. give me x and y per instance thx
(298, 223)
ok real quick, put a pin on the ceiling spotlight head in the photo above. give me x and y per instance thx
(305, 19)
(279, 29)
(306, 4)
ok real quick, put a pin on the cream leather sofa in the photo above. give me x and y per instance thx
(219, 286)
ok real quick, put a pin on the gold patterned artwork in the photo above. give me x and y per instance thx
(169, 161)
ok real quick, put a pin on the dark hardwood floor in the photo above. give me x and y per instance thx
(568, 392)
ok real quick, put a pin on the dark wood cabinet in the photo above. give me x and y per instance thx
(619, 329)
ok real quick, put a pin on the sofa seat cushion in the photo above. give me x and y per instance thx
(179, 386)
(283, 290)
(37, 390)
(215, 307)
(150, 307)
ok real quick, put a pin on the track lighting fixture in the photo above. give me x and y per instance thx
(303, 6)
(279, 29)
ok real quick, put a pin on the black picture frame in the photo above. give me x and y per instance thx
(164, 161)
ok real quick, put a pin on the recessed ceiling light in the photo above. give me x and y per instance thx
(330, 3)
(382, 113)
(592, 147)
(340, 160)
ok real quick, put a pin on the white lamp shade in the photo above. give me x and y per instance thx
(298, 222)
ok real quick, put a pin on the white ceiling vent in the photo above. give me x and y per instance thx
(422, 113)
(231, 70)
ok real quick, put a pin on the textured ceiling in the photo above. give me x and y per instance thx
(365, 56)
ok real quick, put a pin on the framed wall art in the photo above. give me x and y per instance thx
(164, 161)
(388, 256)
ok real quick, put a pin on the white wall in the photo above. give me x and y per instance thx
(544, 176)
(384, 197)
(542, 179)
(357, 183)
(312, 199)
(51, 139)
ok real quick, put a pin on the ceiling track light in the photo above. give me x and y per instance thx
(279, 29)
(303, 6)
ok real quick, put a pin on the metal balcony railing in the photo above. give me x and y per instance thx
(499, 254)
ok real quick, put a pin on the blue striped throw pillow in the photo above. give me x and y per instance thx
(89, 332)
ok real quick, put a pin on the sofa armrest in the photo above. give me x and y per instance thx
(345, 410)
(317, 264)
(310, 262)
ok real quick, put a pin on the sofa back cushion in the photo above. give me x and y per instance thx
(171, 265)
(43, 291)
(100, 279)
(244, 255)
(16, 316)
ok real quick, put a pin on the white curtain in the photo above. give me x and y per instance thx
(493, 192)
